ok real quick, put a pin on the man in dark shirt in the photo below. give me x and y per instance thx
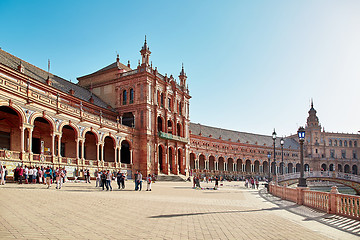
(103, 180)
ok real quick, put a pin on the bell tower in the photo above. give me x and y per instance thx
(182, 77)
(145, 54)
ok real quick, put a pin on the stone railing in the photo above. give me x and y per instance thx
(320, 174)
(333, 202)
(11, 155)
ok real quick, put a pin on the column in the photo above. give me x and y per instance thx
(225, 166)
(252, 167)
(59, 145)
(97, 151)
(102, 152)
(115, 152)
(22, 137)
(53, 144)
(294, 169)
(243, 167)
(235, 167)
(30, 140)
(77, 148)
(83, 149)
(131, 156)
(119, 149)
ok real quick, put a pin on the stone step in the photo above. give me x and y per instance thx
(170, 178)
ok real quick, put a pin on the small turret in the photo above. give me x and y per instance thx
(145, 53)
(182, 77)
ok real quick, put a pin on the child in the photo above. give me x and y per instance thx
(148, 180)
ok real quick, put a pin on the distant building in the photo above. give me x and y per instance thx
(129, 119)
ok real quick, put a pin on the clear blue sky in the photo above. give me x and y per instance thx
(252, 65)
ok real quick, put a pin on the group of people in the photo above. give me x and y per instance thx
(42, 175)
(197, 180)
(138, 177)
(252, 182)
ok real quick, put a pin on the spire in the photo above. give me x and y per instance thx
(117, 57)
(312, 103)
(145, 53)
(182, 76)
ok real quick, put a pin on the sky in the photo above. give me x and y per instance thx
(252, 66)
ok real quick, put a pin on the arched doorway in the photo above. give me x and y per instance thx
(42, 140)
(212, 163)
(90, 146)
(282, 167)
(290, 168)
(125, 152)
(109, 149)
(346, 168)
(171, 159)
(180, 161)
(239, 165)
(221, 164)
(68, 142)
(192, 161)
(354, 169)
(331, 167)
(298, 167)
(340, 168)
(161, 154)
(230, 165)
(248, 166)
(10, 133)
(257, 167)
(323, 167)
(201, 162)
(266, 168)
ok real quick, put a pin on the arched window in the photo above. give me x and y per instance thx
(162, 100)
(355, 143)
(350, 143)
(180, 108)
(335, 143)
(340, 143)
(124, 97)
(330, 142)
(345, 143)
(131, 96)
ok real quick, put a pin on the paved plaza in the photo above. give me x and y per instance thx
(172, 210)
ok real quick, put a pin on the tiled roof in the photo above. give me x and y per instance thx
(57, 82)
(116, 64)
(249, 138)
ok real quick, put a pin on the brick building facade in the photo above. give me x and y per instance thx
(138, 119)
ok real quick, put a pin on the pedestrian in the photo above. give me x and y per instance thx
(88, 176)
(2, 173)
(34, 175)
(216, 182)
(20, 174)
(60, 178)
(136, 180)
(257, 183)
(108, 180)
(118, 178)
(47, 176)
(40, 174)
(140, 181)
(31, 171)
(98, 178)
(26, 174)
(103, 179)
(122, 180)
(148, 180)
(85, 175)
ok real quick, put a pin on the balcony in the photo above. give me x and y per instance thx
(169, 136)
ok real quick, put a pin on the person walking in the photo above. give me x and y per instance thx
(88, 175)
(47, 176)
(148, 180)
(26, 174)
(118, 178)
(136, 180)
(20, 174)
(103, 179)
(108, 180)
(98, 178)
(2, 173)
(216, 182)
(122, 180)
(140, 180)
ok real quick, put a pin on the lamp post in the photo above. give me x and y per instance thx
(282, 154)
(301, 135)
(274, 138)
(269, 177)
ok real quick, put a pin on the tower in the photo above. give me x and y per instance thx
(145, 54)
(182, 77)
(314, 139)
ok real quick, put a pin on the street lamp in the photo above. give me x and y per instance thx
(282, 154)
(301, 135)
(274, 138)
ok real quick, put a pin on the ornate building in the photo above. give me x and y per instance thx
(138, 119)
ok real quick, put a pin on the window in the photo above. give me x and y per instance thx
(354, 154)
(131, 96)
(162, 100)
(343, 153)
(345, 143)
(169, 104)
(350, 143)
(124, 97)
(335, 143)
(316, 151)
(340, 143)
(332, 153)
(330, 142)
(355, 143)
(180, 108)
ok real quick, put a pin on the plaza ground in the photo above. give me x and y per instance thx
(172, 210)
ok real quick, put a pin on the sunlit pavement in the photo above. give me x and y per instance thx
(172, 210)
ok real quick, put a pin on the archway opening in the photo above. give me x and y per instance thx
(109, 149)
(354, 169)
(212, 163)
(257, 167)
(161, 158)
(298, 167)
(90, 152)
(221, 164)
(331, 167)
(323, 167)
(248, 166)
(178, 130)
(192, 161)
(346, 168)
(239, 165)
(10, 133)
(230, 165)
(201, 162)
(169, 127)
(125, 152)
(68, 140)
(42, 140)
(340, 168)
(160, 124)
(290, 168)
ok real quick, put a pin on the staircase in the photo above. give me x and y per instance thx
(171, 178)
